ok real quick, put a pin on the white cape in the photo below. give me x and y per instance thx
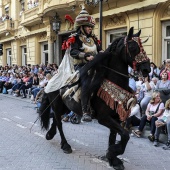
(65, 70)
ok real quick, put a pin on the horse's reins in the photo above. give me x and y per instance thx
(116, 71)
(42, 113)
(127, 51)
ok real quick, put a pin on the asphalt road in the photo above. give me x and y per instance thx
(21, 149)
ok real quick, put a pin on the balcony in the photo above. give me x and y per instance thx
(7, 26)
(30, 17)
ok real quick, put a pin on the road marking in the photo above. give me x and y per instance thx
(39, 134)
(17, 117)
(23, 127)
(77, 141)
(102, 162)
(6, 119)
(33, 123)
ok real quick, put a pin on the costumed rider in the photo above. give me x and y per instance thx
(83, 50)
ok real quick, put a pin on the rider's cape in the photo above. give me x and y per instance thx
(65, 71)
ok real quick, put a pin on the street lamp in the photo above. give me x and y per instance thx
(56, 23)
(94, 3)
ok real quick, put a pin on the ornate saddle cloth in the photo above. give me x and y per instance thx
(116, 98)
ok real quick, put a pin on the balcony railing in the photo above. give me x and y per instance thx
(6, 25)
(30, 17)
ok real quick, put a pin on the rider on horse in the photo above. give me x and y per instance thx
(84, 47)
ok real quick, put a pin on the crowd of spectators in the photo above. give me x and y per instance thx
(19, 80)
(152, 103)
(148, 106)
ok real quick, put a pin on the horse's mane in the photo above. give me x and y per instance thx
(111, 51)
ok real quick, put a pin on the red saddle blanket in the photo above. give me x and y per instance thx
(116, 98)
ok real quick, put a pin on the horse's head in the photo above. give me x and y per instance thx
(136, 56)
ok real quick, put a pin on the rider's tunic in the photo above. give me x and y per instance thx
(83, 47)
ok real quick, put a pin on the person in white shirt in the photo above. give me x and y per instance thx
(134, 117)
(147, 87)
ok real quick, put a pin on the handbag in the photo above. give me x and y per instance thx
(151, 113)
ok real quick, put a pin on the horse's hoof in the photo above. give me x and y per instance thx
(119, 167)
(103, 158)
(86, 118)
(49, 136)
(68, 151)
(66, 148)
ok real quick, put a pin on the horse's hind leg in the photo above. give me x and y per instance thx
(59, 109)
(52, 131)
(64, 144)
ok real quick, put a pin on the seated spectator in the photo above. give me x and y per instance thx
(35, 82)
(42, 84)
(154, 111)
(38, 98)
(134, 117)
(147, 88)
(67, 117)
(48, 69)
(55, 69)
(162, 121)
(26, 85)
(22, 81)
(10, 83)
(167, 146)
(3, 79)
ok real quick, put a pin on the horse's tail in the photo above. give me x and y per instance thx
(44, 112)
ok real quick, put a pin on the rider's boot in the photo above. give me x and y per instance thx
(86, 114)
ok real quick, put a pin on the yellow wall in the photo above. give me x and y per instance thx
(146, 15)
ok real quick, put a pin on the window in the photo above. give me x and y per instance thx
(113, 34)
(45, 47)
(165, 40)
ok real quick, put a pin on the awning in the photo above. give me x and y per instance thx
(130, 7)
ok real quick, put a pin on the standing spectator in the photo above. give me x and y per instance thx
(147, 88)
(155, 72)
(132, 83)
(154, 111)
(164, 83)
(166, 68)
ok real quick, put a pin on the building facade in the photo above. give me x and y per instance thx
(28, 36)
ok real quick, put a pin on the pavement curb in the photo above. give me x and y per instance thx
(16, 98)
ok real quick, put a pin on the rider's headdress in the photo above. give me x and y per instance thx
(84, 18)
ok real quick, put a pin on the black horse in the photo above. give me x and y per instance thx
(111, 69)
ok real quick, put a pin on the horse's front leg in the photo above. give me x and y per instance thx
(115, 149)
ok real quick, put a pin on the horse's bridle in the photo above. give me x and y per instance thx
(139, 58)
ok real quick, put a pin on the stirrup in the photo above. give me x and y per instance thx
(86, 117)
